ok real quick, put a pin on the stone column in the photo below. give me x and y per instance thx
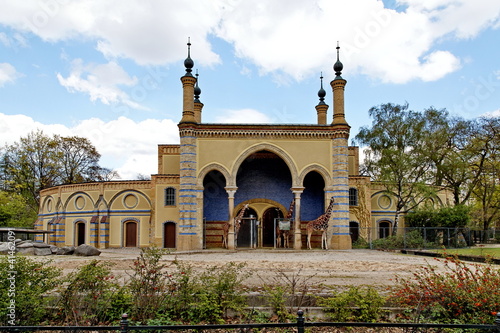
(297, 232)
(230, 236)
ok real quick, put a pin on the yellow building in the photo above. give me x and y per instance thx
(215, 171)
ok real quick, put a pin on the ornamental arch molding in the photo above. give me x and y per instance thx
(270, 148)
(212, 167)
(319, 169)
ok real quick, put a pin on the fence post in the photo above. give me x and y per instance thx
(300, 321)
(124, 323)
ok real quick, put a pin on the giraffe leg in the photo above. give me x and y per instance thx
(309, 234)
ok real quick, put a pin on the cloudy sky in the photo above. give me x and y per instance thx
(109, 70)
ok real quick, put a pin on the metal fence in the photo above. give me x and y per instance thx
(298, 326)
(422, 238)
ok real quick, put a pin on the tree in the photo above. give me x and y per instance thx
(14, 211)
(38, 161)
(453, 148)
(396, 154)
(486, 194)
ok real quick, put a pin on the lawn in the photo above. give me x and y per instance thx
(493, 252)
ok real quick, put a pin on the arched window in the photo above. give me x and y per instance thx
(353, 196)
(170, 196)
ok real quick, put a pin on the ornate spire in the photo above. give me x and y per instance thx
(337, 67)
(189, 63)
(197, 90)
(321, 92)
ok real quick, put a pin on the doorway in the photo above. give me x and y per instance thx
(246, 234)
(384, 229)
(169, 235)
(268, 229)
(80, 233)
(130, 234)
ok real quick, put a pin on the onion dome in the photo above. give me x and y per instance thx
(197, 90)
(189, 63)
(321, 92)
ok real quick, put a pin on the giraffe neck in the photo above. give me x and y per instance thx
(290, 210)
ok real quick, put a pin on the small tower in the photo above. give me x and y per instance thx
(190, 225)
(338, 86)
(198, 106)
(188, 81)
(322, 107)
(339, 222)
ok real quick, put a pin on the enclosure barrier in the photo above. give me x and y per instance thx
(299, 325)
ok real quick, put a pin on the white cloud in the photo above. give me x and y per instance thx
(8, 74)
(492, 114)
(101, 82)
(126, 146)
(290, 39)
(244, 116)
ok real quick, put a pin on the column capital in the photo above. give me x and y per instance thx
(231, 190)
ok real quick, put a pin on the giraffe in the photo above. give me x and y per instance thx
(320, 224)
(237, 223)
(285, 233)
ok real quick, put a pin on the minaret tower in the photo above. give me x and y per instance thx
(322, 107)
(190, 226)
(339, 221)
(198, 106)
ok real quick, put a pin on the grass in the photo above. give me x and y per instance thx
(493, 252)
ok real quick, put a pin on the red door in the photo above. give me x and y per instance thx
(169, 235)
(130, 234)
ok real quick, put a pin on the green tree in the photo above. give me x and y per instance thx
(396, 154)
(25, 286)
(486, 194)
(38, 161)
(14, 211)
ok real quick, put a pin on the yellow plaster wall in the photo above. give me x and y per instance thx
(225, 152)
(171, 165)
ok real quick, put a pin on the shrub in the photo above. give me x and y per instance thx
(410, 240)
(286, 293)
(27, 283)
(358, 304)
(463, 293)
(206, 296)
(361, 243)
(90, 293)
(148, 285)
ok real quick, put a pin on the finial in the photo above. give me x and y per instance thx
(337, 67)
(197, 90)
(321, 92)
(189, 63)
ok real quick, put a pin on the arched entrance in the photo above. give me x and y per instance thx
(80, 233)
(354, 230)
(169, 233)
(130, 229)
(268, 230)
(246, 235)
(384, 229)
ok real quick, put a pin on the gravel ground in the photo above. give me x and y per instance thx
(317, 267)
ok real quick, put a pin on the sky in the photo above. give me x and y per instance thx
(110, 70)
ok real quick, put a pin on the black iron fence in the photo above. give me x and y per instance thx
(298, 326)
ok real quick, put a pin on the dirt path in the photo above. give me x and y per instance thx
(332, 267)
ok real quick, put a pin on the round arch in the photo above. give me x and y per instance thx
(119, 194)
(212, 167)
(320, 170)
(231, 181)
(76, 194)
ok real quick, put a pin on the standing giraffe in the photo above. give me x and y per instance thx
(285, 233)
(237, 223)
(320, 224)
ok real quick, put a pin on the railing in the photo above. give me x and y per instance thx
(300, 325)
